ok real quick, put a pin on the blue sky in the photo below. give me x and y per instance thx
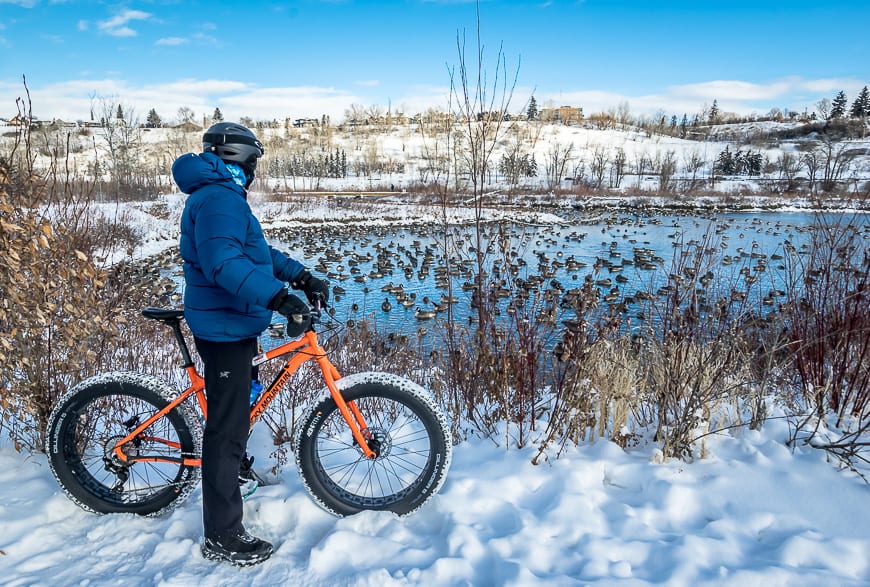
(293, 59)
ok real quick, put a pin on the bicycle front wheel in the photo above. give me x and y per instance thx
(408, 433)
(86, 426)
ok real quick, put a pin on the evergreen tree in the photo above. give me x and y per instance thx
(838, 106)
(217, 116)
(684, 124)
(532, 168)
(532, 112)
(673, 121)
(861, 105)
(120, 113)
(725, 162)
(714, 112)
(153, 119)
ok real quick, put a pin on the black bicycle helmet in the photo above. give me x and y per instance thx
(233, 143)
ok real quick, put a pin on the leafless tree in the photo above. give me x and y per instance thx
(514, 152)
(812, 161)
(623, 115)
(186, 116)
(836, 158)
(692, 163)
(578, 172)
(558, 158)
(119, 128)
(617, 168)
(474, 97)
(788, 166)
(665, 166)
(597, 165)
(376, 118)
(823, 108)
(641, 164)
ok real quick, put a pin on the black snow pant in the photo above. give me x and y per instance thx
(227, 373)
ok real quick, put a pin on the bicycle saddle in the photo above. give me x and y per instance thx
(163, 314)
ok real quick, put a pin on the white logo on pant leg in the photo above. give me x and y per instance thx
(225, 374)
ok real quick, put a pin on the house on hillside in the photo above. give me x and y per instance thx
(493, 116)
(398, 119)
(306, 122)
(19, 120)
(434, 117)
(563, 114)
(188, 127)
(59, 123)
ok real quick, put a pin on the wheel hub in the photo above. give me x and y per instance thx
(110, 457)
(379, 442)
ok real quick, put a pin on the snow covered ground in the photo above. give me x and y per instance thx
(752, 513)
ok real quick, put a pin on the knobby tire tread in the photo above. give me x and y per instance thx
(71, 473)
(382, 386)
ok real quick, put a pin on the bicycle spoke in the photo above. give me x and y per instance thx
(110, 419)
(389, 474)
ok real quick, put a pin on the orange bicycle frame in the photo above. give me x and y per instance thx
(304, 349)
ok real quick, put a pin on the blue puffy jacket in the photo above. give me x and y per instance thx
(230, 271)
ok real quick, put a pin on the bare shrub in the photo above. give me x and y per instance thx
(496, 375)
(60, 312)
(693, 355)
(693, 382)
(829, 332)
(597, 395)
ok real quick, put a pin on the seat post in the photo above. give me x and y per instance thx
(182, 344)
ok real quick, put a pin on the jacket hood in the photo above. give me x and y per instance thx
(195, 170)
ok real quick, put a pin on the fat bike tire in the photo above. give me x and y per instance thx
(91, 418)
(410, 436)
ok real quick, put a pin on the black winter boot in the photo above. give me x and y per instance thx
(240, 549)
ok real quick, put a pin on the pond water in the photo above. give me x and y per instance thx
(397, 277)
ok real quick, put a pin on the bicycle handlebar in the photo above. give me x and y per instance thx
(313, 313)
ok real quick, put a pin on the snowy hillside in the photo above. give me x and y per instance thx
(528, 157)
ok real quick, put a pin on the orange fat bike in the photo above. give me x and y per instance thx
(128, 442)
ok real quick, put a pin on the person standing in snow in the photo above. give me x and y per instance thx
(233, 282)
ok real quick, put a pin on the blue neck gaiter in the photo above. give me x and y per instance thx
(238, 174)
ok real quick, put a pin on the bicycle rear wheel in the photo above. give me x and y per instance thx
(408, 432)
(88, 422)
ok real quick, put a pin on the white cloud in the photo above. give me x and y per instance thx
(71, 99)
(727, 90)
(205, 39)
(117, 25)
(21, 3)
(171, 41)
(293, 102)
(736, 96)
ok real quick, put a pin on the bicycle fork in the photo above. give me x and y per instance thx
(349, 410)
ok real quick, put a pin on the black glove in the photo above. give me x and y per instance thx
(315, 289)
(296, 311)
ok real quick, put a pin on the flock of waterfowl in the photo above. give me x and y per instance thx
(419, 272)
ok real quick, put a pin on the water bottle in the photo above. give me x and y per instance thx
(256, 390)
